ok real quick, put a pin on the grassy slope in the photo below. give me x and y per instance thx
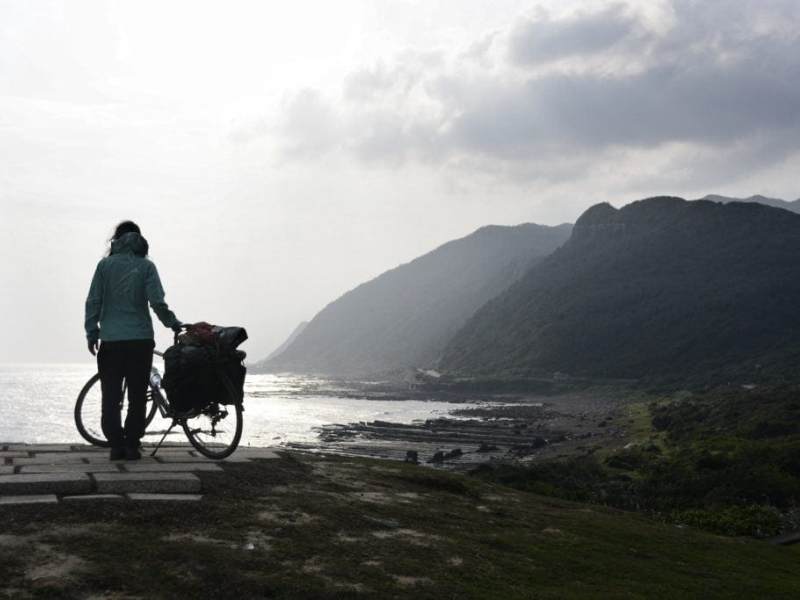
(727, 460)
(334, 527)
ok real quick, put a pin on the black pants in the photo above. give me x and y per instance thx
(130, 360)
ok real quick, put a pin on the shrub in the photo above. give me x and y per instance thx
(754, 520)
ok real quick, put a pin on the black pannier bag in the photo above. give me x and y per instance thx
(204, 369)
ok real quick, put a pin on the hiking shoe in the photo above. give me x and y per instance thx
(132, 454)
(116, 454)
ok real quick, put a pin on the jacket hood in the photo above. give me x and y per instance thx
(133, 243)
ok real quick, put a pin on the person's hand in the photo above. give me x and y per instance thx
(93, 345)
(177, 328)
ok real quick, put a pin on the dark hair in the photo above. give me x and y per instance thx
(125, 227)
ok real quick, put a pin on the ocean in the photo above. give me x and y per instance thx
(38, 400)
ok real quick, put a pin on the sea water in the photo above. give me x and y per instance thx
(37, 404)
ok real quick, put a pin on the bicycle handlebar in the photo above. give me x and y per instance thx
(175, 339)
(181, 327)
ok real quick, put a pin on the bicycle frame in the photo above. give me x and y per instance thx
(202, 434)
(161, 402)
(155, 389)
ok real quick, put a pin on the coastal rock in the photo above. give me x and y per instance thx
(527, 449)
(437, 458)
(484, 447)
(441, 456)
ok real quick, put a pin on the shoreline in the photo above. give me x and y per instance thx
(426, 418)
(506, 428)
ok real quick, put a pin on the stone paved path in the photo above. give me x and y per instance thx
(52, 473)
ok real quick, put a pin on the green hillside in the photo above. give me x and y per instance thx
(662, 288)
(726, 460)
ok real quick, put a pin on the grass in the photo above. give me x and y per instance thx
(320, 527)
(640, 429)
(726, 460)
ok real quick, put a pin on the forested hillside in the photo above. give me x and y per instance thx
(660, 288)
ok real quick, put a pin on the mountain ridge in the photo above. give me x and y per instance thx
(404, 317)
(659, 287)
(790, 205)
(285, 344)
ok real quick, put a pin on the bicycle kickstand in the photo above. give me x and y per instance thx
(163, 437)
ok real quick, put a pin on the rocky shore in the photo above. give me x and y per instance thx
(504, 427)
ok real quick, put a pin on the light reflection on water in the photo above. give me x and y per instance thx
(37, 402)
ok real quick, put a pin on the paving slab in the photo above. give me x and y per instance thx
(99, 460)
(88, 448)
(191, 459)
(170, 445)
(33, 460)
(120, 483)
(235, 458)
(170, 451)
(30, 499)
(53, 458)
(83, 497)
(256, 453)
(167, 497)
(45, 483)
(40, 447)
(179, 458)
(181, 467)
(108, 467)
(9, 454)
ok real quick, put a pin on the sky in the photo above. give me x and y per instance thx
(277, 154)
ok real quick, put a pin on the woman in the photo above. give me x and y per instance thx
(124, 283)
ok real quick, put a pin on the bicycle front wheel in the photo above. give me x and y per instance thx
(89, 412)
(215, 432)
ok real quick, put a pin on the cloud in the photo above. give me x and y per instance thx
(369, 83)
(706, 103)
(544, 39)
(714, 79)
(311, 126)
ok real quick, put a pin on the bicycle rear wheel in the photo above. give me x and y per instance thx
(89, 410)
(216, 430)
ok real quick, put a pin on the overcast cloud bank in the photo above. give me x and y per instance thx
(552, 96)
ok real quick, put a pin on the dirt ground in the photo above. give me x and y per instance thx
(312, 526)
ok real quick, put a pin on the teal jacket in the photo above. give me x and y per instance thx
(124, 283)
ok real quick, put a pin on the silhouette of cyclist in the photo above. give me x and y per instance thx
(118, 320)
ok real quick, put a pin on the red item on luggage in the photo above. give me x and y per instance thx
(200, 334)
